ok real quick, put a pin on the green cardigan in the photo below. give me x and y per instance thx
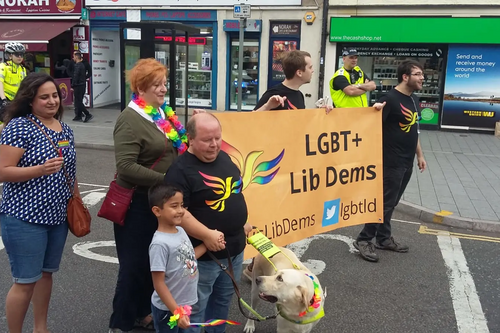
(138, 144)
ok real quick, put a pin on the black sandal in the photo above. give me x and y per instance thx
(145, 323)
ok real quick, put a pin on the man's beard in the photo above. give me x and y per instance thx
(413, 85)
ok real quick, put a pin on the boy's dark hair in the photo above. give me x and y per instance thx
(293, 61)
(406, 67)
(160, 193)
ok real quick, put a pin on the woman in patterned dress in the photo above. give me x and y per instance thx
(33, 214)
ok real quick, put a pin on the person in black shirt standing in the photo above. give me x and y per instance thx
(297, 67)
(78, 84)
(212, 185)
(400, 144)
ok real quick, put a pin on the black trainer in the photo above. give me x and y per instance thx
(391, 245)
(366, 250)
(77, 119)
(88, 118)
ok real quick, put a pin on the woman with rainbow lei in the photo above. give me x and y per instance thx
(147, 138)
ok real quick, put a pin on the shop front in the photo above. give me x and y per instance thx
(199, 53)
(461, 86)
(250, 66)
(45, 30)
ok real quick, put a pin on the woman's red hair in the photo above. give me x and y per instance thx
(146, 73)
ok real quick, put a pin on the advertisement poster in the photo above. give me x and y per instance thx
(105, 67)
(472, 89)
(318, 173)
(280, 47)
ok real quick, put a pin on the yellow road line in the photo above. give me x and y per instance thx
(427, 231)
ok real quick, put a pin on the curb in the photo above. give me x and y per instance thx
(98, 146)
(444, 218)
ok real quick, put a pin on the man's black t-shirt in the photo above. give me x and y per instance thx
(294, 98)
(341, 82)
(212, 194)
(400, 128)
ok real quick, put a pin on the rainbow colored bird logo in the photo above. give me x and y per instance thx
(249, 171)
(221, 187)
(410, 116)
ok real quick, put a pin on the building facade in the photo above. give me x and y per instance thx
(456, 43)
(213, 53)
(50, 31)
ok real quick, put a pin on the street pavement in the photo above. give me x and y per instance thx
(448, 282)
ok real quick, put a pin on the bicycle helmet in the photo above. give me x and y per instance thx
(14, 47)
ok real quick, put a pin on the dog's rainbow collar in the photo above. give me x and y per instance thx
(316, 299)
(315, 304)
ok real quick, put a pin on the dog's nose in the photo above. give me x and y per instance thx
(258, 280)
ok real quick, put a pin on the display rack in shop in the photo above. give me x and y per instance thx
(199, 87)
(386, 77)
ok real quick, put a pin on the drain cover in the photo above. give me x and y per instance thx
(463, 135)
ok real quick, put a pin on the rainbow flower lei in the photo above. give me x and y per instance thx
(177, 135)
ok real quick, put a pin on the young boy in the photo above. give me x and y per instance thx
(172, 259)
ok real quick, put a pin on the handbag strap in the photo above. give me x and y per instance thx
(157, 160)
(71, 188)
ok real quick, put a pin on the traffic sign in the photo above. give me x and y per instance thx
(241, 11)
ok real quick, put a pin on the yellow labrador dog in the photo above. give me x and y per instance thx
(296, 293)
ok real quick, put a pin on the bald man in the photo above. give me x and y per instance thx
(197, 172)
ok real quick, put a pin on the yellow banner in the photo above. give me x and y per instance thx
(305, 172)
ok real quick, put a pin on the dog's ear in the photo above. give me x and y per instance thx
(304, 298)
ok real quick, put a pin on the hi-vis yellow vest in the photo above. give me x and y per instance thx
(11, 76)
(340, 99)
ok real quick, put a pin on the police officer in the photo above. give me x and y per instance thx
(12, 72)
(350, 84)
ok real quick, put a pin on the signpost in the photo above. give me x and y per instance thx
(241, 11)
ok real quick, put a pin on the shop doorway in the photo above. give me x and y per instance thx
(138, 41)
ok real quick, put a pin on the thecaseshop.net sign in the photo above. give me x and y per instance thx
(40, 7)
(121, 3)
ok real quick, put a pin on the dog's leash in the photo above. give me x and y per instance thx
(230, 272)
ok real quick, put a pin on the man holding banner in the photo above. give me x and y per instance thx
(212, 188)
(400, 145)
(298, 70)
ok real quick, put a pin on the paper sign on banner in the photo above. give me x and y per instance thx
(306, 173)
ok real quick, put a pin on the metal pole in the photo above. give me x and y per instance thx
(240, 62)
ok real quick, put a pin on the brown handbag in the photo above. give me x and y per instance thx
(78, 215)
(117, 201)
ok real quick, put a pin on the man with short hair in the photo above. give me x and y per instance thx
(298, 70)
(211, 184)
(400, 145)
(78, 84)
(349, 84)
(71, 66)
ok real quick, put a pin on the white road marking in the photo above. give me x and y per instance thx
(299, 248)
(95, 185)
(83, 249)
(90, 191)
(403, 221)
(1, 245)
(93, 198)
(468, 309)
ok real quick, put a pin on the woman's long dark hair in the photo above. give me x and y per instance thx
(20, 106)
